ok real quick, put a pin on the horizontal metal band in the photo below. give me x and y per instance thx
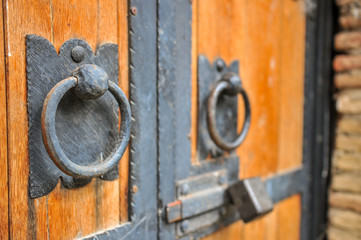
(279, 187)
(284, 185)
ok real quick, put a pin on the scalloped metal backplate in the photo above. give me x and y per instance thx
(86, 129)
(208, 75)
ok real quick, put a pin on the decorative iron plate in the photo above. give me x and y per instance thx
(208, 75)
(86, 129)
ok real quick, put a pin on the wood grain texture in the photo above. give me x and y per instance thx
(123, 11)
(21, 18)
(194, 100)
(64, 204)
(63, 214)
(233, 231)
(4, 191)
(289, 218)
(268, 37)
(248, 31)
(291, 84)
(260, 65)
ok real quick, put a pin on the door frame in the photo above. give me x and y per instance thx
(317, 137)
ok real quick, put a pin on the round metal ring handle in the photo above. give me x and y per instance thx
(88, 91)
(230, 87)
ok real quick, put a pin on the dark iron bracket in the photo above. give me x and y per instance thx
(208, 76)
(87, 130)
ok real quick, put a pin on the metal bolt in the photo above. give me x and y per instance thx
(78, 53)
(133, 11)
(222, 179)
(185, 189)
(185, 226)
(222, 211)
(219, 65)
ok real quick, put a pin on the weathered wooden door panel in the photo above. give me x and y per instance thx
(269, 40)
(268, 37)
(159, 47)
(4, 210)
(64, 213)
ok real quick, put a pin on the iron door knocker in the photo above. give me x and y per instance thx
(231, 85)
(88, 82)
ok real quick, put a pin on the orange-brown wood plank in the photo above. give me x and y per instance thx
(291, 109)
(194, 85)
(233, 231)
(259, 67)
(292, 84)
(268, 37)
(77, 210)
(108, 198)
(123, 11)
(63, 214)
(21, 18)
(40, 220)
(96, 206)
(289, 218)
(4, 211)
(250, 32)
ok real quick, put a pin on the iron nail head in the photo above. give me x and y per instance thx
(185, 226)
(133, 11)
(77, 54)
(185, 189)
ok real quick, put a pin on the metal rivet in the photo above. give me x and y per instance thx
(222, 211)
(222, 179)
(185, 226)
(219, 65)
(133, 11)
(135, 189)
(185, 189)
(78, 53)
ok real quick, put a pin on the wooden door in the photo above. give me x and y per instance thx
(274, 42)
(159, 46)
(268, 38)
(100, 205)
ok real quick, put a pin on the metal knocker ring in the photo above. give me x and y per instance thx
(88, 82)
(231, 85)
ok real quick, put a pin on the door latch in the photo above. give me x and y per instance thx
(250, 198)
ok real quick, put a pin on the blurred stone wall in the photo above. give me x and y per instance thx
(345, 190)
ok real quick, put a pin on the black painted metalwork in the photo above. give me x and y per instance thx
(86, 130)
(174, 103)
(250, 198)
(209, 75)
(88, 82)
(317, 117)
(230, 84)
